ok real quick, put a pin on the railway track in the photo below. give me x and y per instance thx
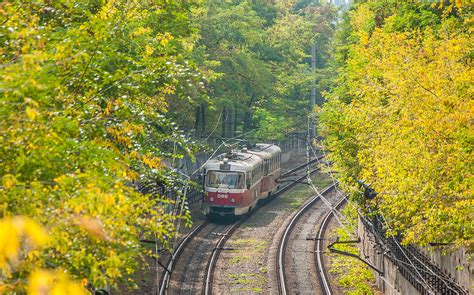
(209, 248)
(318, 250)
(179, 250)
(215, 255)
(283, 247)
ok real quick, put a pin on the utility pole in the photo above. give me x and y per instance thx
(313, 89)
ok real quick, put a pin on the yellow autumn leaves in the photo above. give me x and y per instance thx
(84, 89)
(12, 232)
(44, 282)
(20, 237)
(402, 120)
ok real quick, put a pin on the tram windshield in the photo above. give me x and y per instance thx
(230, 180)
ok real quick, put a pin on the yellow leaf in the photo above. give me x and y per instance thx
(164, 42)
(149, 50)
(92, 226)
(37, 235)
(43, 282)
(40, 282)
(31, 113)
(9, 181)
(9, 243)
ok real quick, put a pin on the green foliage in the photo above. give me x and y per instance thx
(271, 127)
(85, 90)
(90, 93)
(351, 274)
(399, 116)
(260, 52)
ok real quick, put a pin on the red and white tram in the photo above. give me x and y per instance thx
(235, 182)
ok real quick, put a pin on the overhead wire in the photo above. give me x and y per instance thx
(217, 149)
(334, 210)
(422, 282)
(410, 262)
(386, 223)
(337, 215)
(215, 126)
(443, 279)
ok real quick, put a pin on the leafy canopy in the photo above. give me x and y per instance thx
(85, 87)
(400, 117)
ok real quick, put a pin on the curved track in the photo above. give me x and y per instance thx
(196, 251)
(318, 252)
(215, 255)
(282, 277)
(165, 280)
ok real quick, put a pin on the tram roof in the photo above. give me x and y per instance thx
(238, 161)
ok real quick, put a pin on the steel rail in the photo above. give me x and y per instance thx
(165, 280)
(220, 244)
(323, 279)
(215, 255)
(312, 161)
(281, 278)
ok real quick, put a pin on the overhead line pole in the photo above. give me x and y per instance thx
(313, 89)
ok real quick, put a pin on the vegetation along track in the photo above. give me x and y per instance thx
(318, 250)
(200, 248)
(295, 273)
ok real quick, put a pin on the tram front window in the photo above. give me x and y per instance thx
(231, 180)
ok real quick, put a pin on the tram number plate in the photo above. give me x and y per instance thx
(224, 167)
(221, 196)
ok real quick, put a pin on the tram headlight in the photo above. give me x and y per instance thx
(211, 199)
(232, 200)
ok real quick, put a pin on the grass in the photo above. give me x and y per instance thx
(351, 274)
(298, 196)
(247, 282)
(248, 250)
(302, 192)
(253, 244)
(321, 181)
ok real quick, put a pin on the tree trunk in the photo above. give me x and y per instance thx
(248, 113)
(235, 122)
(203, 120)
(196, 120)
(231, 124)
(224, 120)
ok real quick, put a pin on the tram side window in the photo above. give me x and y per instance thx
(266, 167)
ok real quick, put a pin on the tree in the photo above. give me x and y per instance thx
(86, 87)
(260, 53)
(399, 117)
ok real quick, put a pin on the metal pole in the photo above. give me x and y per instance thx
(313, 89)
